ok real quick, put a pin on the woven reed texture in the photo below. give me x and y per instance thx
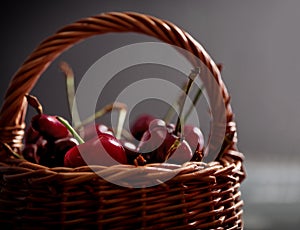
(199, 196)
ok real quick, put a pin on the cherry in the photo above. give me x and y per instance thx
(50, 152)
(49, 126)
(194, 137)
(151, 140)
(35, 152)
(30, 153)
(58, 150)
(104, 150)
(181, 153)
(159, 144)
(47, 139)
(140, 125)
(130, 150)
(31, 135)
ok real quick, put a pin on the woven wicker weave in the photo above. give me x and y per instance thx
(200, 196)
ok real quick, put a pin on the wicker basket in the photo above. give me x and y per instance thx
(200, 195)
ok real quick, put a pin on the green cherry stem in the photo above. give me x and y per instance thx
(120, 125)
(191, 79)
(196, 98)
(11, 151)
(198, 95)
(101, 112)
(70, 84)
(70, 128)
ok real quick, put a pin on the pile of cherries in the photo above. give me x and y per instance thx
(48, 142)
(46, 139)
(51, 142)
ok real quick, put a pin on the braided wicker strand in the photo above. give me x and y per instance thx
(26, 77)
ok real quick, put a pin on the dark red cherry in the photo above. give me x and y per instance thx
(31, 135)
(103, 150)
(30, 153)
(194, 137)
(151, 142)
(53, 153)
(41, 151)
(160, 144)
(46, 125)
(49, 126)
(130, 150)
(182, 153)
(174, 150)
(140, 125)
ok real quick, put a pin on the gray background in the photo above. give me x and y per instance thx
(258, 43)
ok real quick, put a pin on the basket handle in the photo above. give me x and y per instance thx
(13, 110)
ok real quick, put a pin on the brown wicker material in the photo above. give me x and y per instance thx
(200, 196)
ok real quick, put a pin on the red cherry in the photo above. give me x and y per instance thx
(31, 135)
(174, 150)
(150, 144)
(49, 126)
(141, 125)
(130, 150)
(194, 137)
(182, 153)
(160, 144)
(102, 150)
(30, 153)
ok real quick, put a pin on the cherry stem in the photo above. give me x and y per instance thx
(106, 109)
(34, 102)
(11, 151)
(173, 147)
(120, 125)
(101, 112)
(127, 135)
(196, 98)
(191, 78)
(71, 129)
(199, 93)
(70, 84)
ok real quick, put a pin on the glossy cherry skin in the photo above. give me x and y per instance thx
(49, 126)
(151, 141)
(194, 138)
(159, 144)
(181, 154)
(130, 150)
(103, 150)
(57, 151)
(141, 125)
